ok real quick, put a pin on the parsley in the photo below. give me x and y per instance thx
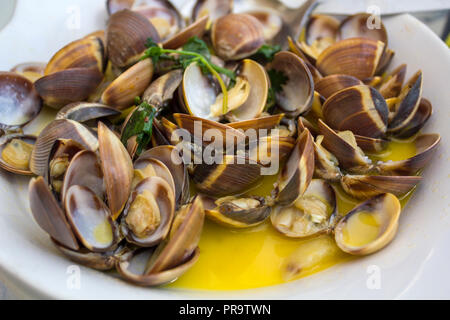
(277, 80)
(195, 50)
(140, 125)
(266, 53)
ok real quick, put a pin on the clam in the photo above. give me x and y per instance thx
(102, 261)
(270, 149)
(259, 83)
(297, 172)
(84, 170)
(20, 102)
(117, 169)
(61, 154)
(72, 85)
(171, 158)
(360, 109)
(370, 226)
(392, 84)
(213, 8)
(83, 53)
(326, 164)
(344, 147)
(49, 215)
(129, 85)
(196, 29)
(231, 175)
(149, 212)
(310, 215)
(237, 36)
(418, 121)
(162, 14)
(86, 111)
(426, 145)
(30, 70)
(172, 257)
(407, 104)
(15, 153)
(329, 85)
(145, 168)
(320, 32)
(298, 90)
(357, 26)
(237, 212)
(385, 60)
(90, 219)
(59, 129)
(161, 91)
(363, 186)
(126, 35)
(237, 97)
(271, 22)
(358, 57)
(371, 145)
(294, 48)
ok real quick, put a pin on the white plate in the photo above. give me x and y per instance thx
(415, 265)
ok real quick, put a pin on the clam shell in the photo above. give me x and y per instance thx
(8, 166)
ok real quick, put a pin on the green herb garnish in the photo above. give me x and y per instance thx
(195, 50)
(140, 125)
(277, 80)
(266, 53)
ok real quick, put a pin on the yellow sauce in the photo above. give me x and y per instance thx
(361, 228)
(257, 257)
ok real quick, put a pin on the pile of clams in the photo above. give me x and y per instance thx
(107, 203)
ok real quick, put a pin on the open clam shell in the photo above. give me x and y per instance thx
(196, 29)
(49, 215)
(310, 215)
(149, 212)
(170, 156)
(236, 212)
(237, 36)
(370, 226)
(15, 153)
(363, 187)
(360, 109)
(90, 219)
(20, 101)
(426, 145)
(126, 35)
(298, 92)
(129, 85)
(358, 57)
(392, 84)
(326, 164)
(84, 170)
(407, 104)
(161, 91)
(346, 151)
(357, 26)
(213, 8)
(259, 82)
(183, 238)
(117, 169)
(145, 168)
(297, 172)
(133, 266)
(418, 121)
(59, 129)
(265, 122)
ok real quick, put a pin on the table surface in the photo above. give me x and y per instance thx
(437, 21)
